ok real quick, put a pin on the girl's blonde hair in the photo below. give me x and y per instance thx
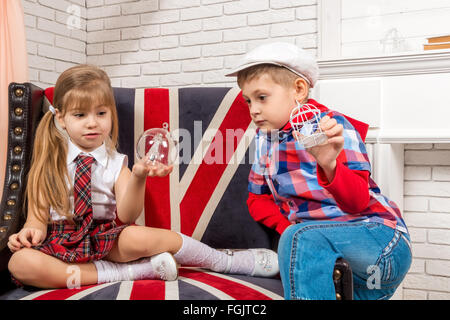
(79, 87)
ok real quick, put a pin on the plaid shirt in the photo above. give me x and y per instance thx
(284, 168)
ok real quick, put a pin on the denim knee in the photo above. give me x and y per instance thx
(286, 237)
(394, 262)
(306, 260)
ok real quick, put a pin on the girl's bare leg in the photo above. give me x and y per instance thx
(35, 268)
(136, 242)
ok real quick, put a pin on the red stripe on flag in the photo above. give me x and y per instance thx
(208, 175)
(234, 289)
(62, 294)
(148, 290)
(157, 191)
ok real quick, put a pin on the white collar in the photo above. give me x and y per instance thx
(100, 154)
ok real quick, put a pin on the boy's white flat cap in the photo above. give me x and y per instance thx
(282, 54)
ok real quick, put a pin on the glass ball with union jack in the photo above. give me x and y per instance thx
(305, 119)
(158, 145)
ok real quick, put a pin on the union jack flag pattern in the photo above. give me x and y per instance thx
(205, 195)
(192, 284)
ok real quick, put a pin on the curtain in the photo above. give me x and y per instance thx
(13, 66)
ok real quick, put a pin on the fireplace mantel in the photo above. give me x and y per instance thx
(404, 98)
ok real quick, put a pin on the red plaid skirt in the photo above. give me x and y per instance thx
(75, 243)
(79, 243)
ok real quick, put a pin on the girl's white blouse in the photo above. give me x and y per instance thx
(104, 173)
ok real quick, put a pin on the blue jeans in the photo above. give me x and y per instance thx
(379, 257)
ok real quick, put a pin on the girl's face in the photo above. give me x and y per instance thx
(88, 129)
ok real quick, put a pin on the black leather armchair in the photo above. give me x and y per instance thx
(25, 110)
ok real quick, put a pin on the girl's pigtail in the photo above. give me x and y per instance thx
(47, 179)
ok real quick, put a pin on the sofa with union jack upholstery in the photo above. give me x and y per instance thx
(204, 197)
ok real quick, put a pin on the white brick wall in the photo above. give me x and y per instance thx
(143, 43)
(427, 214)
(56, 37)
(189, 42)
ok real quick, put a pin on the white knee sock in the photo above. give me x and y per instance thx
(198, 254)
(191, 253)
(108, 271)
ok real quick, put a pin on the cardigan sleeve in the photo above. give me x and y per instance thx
(263, 209)
(349, 187)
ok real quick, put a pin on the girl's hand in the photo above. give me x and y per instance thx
(144, 168)
(326, 153)
(27, 237)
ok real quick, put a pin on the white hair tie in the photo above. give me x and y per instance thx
(51, 109)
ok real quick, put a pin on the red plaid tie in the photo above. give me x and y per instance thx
(82, 187)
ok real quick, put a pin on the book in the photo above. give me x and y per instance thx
(437, 46)
(439, 39)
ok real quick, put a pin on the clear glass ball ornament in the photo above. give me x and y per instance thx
(158, 145)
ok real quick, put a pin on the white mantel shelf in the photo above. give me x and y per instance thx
(393, 65)
(408, 136)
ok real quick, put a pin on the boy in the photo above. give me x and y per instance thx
(321, 199)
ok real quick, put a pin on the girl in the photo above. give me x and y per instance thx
(78, 184)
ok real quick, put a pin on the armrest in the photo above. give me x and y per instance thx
(24, 113)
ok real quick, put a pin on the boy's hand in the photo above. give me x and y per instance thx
(326, 153)
(144, 168)
(27, 237)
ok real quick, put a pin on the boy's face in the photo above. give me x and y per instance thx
(269, 103)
